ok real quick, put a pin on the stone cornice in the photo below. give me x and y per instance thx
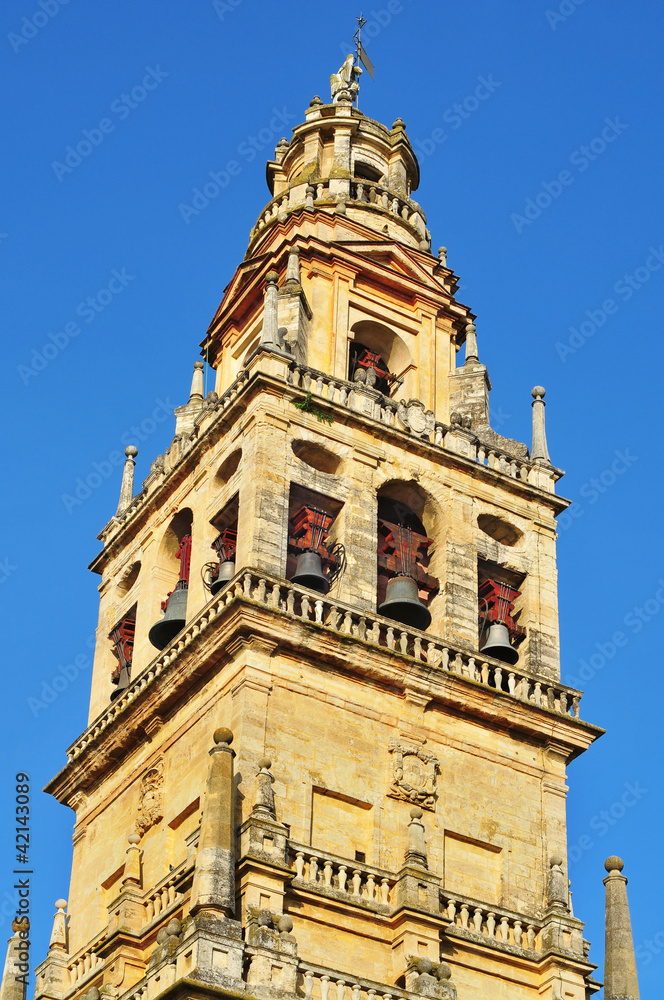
(386, 655)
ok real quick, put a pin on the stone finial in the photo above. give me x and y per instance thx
(620, 978)
(540, 452)
(59, 933)
(197, 382)
(269, 333)
(127, 487)
(557, 887)
(471, 343)
(213, 888)
(17, 962)
(281, 149)
(442, 255)
(416, 851)
(132, 872)
(264, 805)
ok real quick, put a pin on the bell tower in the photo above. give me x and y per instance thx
(327, 739)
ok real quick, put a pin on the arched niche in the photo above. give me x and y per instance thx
(382, 340)
(316, 456)
(499, 529)
(228, 467)
(129, 577)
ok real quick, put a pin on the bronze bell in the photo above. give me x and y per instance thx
(309, 572)
(122, 685)
(498, 644)
(226, 573)
(174, 620)
(402, 603)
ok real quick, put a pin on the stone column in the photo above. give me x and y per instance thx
(620, 979)
(214, 876)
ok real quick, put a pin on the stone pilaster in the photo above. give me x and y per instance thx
(213, 888)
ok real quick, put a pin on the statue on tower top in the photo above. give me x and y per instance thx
(345, 84)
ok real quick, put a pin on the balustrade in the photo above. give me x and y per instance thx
(309, 606)
(355, 880)
(491, 923)
(322, 984)
(84, 964)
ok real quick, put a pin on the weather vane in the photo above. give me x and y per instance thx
(360, 54)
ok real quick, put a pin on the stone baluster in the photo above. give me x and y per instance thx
(491, 924)
(504, 929)
(313, 868)
(518, 933)
(357, 881)
(464, 915)
(299, 864)
(451, 910)
(384, 890)
(308, 983)
(342, 876)
(341, 989)
(327, 873)
(530, 935)
(477, 919)
(324, 987)
(356, 992)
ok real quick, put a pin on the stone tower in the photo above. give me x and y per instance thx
(327, 736)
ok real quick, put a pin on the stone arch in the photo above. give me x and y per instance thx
(406, 502)
(386, 342)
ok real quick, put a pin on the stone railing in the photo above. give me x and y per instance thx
(166, 895)
(85, 963)
(490, 923)
(319, 983)
(374, 404)
(373, 194)
(356, 880)
(360, 191)
(342, 619)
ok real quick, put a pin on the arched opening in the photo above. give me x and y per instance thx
(173, 567)
(405, 586)
(377, 355)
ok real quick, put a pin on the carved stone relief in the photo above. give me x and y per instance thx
(414, 775)
(150, 809)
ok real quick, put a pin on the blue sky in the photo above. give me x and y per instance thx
(544, 184)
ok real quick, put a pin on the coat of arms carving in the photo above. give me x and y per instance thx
(150, 799)
(414, 775)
